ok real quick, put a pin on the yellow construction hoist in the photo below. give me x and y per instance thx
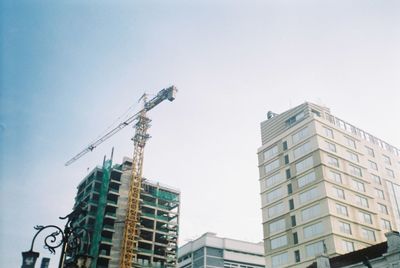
(132, 220)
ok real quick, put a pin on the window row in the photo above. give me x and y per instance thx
(362, 202)
(311, 250)
(327, 132)
(355, 131)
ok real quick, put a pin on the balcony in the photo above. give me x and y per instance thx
(106, 240)
(108, 227)
(111, 215)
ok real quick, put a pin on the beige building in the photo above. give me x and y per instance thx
(326, 186)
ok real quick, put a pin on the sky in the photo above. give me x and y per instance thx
(69, 69)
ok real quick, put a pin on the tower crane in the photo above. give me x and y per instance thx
(132, 219)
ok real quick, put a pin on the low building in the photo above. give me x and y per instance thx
(382, 255)
(209, 250)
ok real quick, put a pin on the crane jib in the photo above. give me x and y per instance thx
(166, 93)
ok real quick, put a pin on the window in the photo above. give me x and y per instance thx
(339, 193)
(386, 225)
(386, 160)
(361, 201)
(365, 217)
(306, 179)
(368, 234)
(304, 165)
(291, 204)
(328, 132)
(379, 194)
(333, 161)
(198, 253)
(216, 252)
(342, 210)
(356, 171)
(350, 142)
(302, 150)
(280, 260)
(335, 176)
(295, 238)
(214, 262)
(330, 146)
(288, 175)
(308, 195)
(289, 188)
(345, 228)
(293, 220)
(271, 166)
(284, 145)
(316, 112)
(300, 135)
(373, 165)
(383, 209)
(376, 179)
(286, 159)
(297, 256)
(295, 118)
(311, 212)
(271, 152)
(275, 210)
(279, 242)
(359, 186)
(274, 195)
(274, 179)
(390, 173)
(348, 246)
(370, 151)
(314, 249)
(277, 226)
(313, 230)
(352, 156)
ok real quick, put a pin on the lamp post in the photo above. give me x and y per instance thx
(70, 240)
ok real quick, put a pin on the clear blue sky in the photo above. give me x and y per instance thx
(70, 68)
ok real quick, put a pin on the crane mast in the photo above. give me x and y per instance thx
(132, 220)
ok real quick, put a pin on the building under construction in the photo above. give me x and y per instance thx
(105, 191)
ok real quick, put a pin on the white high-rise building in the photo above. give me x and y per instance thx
(326, 186)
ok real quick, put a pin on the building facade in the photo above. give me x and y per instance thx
(326, 186)
(105, 190)
(212, 251)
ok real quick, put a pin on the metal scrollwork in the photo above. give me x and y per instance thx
(71, 239)
(51, 241)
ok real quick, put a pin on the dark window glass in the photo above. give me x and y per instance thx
(198, 253)
(291, 204)
(285, 147)
(297, 255)
(215, 262)
(216, 252)
(286, 159)
(295, 239)
(293, 219)
(288, 175)
(289, 188)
